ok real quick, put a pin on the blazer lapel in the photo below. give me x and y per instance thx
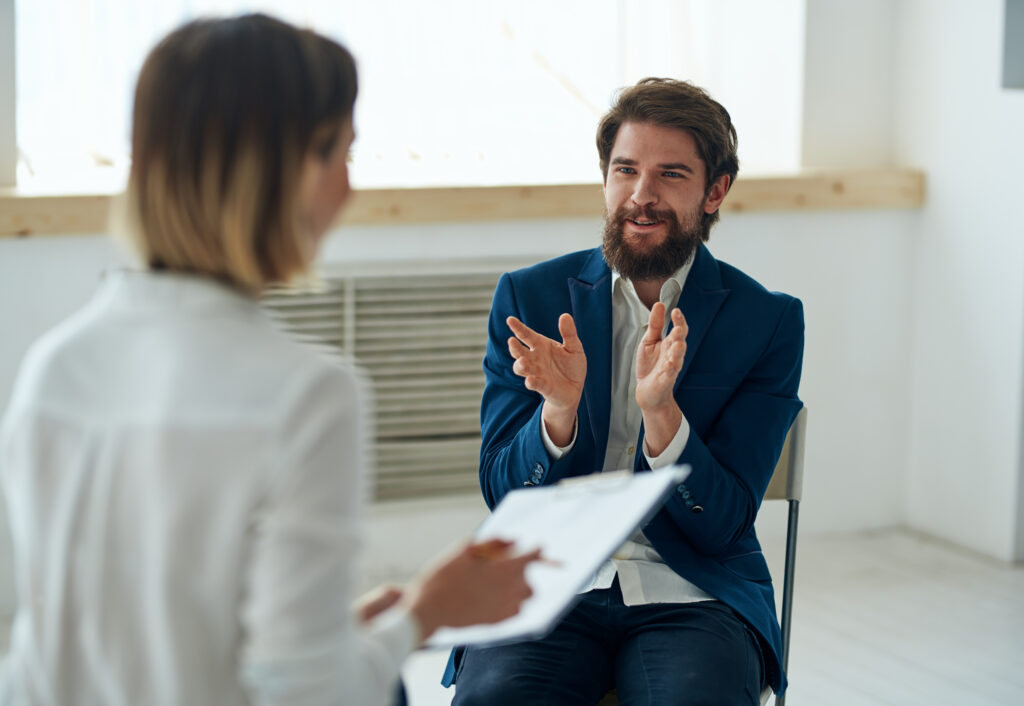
(591, 296)
(699, 301)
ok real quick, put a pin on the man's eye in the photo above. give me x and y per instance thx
(627, 170)
(674, 174)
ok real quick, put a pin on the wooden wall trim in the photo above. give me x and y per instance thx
(25, 215)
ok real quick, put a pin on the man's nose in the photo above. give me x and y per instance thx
(644, 193)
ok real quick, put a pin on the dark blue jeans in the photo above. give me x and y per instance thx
(660, 655)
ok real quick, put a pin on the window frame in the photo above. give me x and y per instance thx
(8, 95)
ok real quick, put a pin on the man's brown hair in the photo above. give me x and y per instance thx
(677, 104)
(226, 113)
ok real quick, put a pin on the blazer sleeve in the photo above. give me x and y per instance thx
(512, 452)
(732, 463)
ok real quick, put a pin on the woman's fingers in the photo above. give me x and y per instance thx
(377, 601)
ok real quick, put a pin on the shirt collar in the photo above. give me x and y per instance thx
(147, 289)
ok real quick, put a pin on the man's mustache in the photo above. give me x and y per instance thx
(644, 213)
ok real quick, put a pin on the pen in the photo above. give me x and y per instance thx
(491, 549)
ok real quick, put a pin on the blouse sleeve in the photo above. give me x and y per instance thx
(301, 644)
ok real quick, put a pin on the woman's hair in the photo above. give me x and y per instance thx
(226, 113)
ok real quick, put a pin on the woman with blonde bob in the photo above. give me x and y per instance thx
(183, 481)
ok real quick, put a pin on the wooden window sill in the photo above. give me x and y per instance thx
(39, 214)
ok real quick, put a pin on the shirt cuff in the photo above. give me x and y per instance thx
(674, 449)
(394, 633)
(557, 452)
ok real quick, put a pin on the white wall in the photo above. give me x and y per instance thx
(849, 271)
(917, 83)
(848, 85)
(955, 121)
(818, 257)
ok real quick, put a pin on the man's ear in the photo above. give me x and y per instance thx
(716, 195)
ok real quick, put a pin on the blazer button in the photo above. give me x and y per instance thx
(529, 483)
(697, 509)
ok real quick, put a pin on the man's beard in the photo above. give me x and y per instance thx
(660, 262)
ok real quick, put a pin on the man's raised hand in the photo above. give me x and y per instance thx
(555, 370)
(659, 361)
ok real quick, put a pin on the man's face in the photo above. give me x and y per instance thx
(655, 196)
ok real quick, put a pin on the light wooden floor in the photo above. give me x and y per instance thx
(879, 618)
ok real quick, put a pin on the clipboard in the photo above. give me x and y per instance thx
(578, 524)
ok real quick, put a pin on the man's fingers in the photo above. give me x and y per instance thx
(523, 332)
(567, 329)
(679, 322)
(676, 352)
(655, 323)
(516, 348)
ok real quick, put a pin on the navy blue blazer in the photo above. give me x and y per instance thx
(737, 388)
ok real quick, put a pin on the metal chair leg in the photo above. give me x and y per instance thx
(787, 587)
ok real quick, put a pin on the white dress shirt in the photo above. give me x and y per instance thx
(644, 577)
(184, 488)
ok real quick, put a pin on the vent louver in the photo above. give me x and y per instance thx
(420, 338)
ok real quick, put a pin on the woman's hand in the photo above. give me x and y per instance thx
(372, 604)
(479, 583)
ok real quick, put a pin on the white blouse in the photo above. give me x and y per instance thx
(185, 494)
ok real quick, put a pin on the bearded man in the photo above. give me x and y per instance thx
(644, 353)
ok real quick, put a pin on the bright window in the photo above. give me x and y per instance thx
(460, 92)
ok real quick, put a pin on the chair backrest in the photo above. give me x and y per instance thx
(788, 479)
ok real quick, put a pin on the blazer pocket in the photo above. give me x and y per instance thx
(712, 381)
(751, 567)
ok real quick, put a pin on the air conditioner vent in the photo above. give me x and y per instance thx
(421, 340)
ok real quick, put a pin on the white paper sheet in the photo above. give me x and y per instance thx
(578, 524)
